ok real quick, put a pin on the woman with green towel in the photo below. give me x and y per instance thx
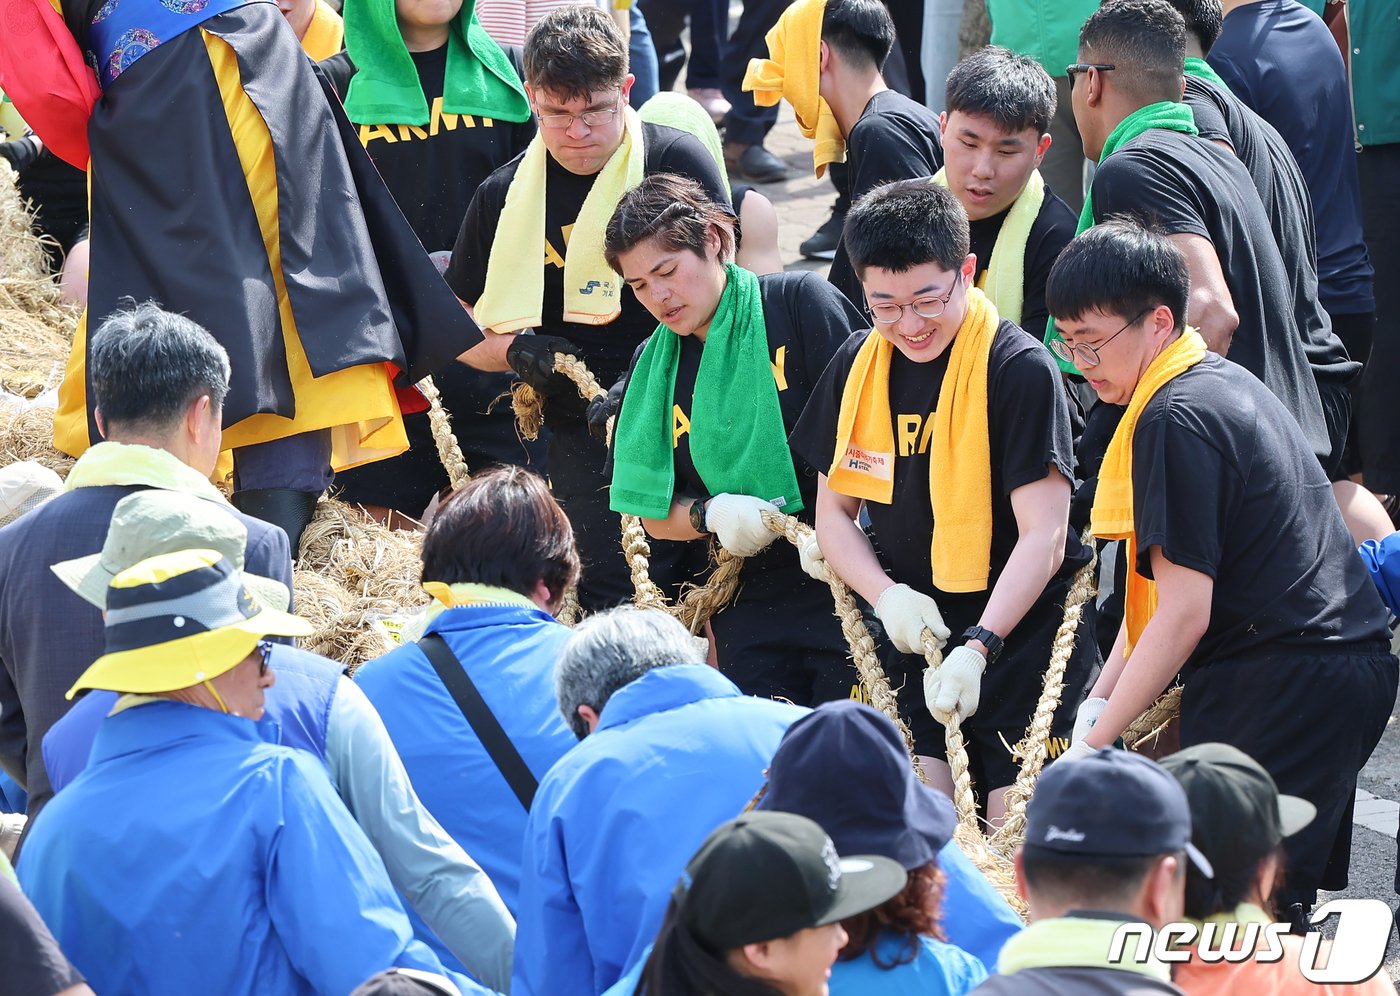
(700, 446)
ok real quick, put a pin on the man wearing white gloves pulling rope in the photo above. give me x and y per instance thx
(947, 420)
(1244, 578)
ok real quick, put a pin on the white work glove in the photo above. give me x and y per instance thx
(1077, 751)
(810, 555)
(1089, 712)
(955, 686)
(905, 613)
(737, 522)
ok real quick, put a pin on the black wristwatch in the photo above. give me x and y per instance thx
(988, 639)
(697, 516)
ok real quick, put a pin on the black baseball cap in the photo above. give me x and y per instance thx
(1112, 804)
(845, 743)
(405, 982)
(1237, 813)
(766, 875)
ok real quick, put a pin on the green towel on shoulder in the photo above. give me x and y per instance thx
(738, 442)
(1201, 68)
(385, 89)
(1166, 114)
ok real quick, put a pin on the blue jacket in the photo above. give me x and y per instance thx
(191, 856)
(510, 652)
(313, 707)
(676, 753)
(938, 969)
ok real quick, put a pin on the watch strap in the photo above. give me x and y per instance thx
(988, 639)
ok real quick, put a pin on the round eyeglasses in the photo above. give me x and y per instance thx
(925, 307)
(1085, 355)
(593, 119)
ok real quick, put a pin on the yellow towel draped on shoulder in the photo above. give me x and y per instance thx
(1005, 278)
(1112, 517)
(513, 298)
(792, 70)
(960, 465)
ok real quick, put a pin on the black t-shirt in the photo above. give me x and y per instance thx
(1029, 430)
(434, 170)
(1284, 194)
(895, 138)
(33, 962)
(1227, 486)
(606, 349)
(1187, 185)
(1051, 231)
(807, 321)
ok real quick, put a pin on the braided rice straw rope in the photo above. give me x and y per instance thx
(449, 450)
(1034, 747)
(1155, 719)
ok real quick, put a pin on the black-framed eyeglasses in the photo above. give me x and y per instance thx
(264, 649)
(1074, 69)
(593, 119)
(1088, 355)
(925, 307)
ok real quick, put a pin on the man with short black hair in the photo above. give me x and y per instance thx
(887, 135)
(1107, 842)
(1126, 94)
(945, 420)
(1242, 575)
(158, 383)
(668, 751)
(529, 256)
(995, 134)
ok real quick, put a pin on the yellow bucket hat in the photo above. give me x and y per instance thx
(178, 619)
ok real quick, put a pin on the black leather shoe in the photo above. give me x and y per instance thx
(754, 162)
(291, 510)
(822, 244)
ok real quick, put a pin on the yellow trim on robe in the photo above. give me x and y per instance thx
(358, 404)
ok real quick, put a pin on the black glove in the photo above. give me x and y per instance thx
(532, 358)
(604, 407)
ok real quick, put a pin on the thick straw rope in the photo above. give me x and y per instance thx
(449, 451)
(1034, 748)
(1157, 716)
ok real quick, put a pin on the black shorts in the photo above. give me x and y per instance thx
(1311, 718)
(781, 638)
(1010, 690)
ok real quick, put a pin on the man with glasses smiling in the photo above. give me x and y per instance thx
(951, 427)
(519, 271)
(1242, 578)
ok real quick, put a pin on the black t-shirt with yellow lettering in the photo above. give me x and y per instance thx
(807, 320)
(606, 349)
(1029, 429)
(434, 169)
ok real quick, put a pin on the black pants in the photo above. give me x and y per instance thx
(748, 124)
(1379, 411)
(781, 639)
(1311, 719)
(576, 474)
(1336, 413)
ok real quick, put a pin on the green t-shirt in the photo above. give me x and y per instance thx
(1045, 30)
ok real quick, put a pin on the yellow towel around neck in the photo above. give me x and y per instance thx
(325, 34)
(513, 298)
(1112, 517)
(792, 70)
(960, 465)
(1005, 278)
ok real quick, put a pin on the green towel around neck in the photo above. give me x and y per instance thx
(1202, 69)
(385, 89)
(738, 442)
(1166, 114)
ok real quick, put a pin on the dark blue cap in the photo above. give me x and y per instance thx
(845, 766)
(1112, 804)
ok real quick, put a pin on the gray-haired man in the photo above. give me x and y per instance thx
(158, 381)
(669, 750)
